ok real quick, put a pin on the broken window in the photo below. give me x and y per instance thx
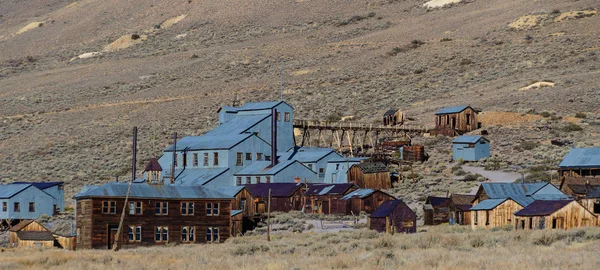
(161, 234)
(286, 116)
(205, 163)
(195, 161)
(238, 159)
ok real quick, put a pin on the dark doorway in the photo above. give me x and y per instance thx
(112, 235)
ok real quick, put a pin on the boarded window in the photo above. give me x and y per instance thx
(286, 117)
(205, 162)
(17, 207)
(248, 156)
(238, 181)
(259, 156)
(238, 159)
(195, 161)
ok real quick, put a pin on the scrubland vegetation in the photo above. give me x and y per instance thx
(441, 247)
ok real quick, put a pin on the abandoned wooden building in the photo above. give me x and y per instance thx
(30, 233)
(495, 203)
(393, 117)
(436, 210)
(591, 201)
(365, 200)
(455, 120)
(325, 198)
(579, 171)
(459, 209)
(373, 175)
(470, 148)
(285, 197)
(557, 214)
(393, 216)
(155, 215)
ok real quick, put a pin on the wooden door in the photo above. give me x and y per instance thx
(112, 236)
(325, 208)
(261, 208)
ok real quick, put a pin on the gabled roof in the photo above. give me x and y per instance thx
(209, 142)
(230, 191)
(542, 208)
(488, 204)
(264, 167)
(307, 154)
(594, 192)
(462, 199)
(437, 201)
(582, 158)
(372, 167)
(449, 110)
(328, 189)
(523, 194)
(277, 189)
(385, 208)
(254, 106)
(361, 193)
(145, 191)
(10, 190)
(21, 225)
(390, 112)
(237, 125)
(197, 176)
(42, 185)
(469, 139)
(35, 236)
(153, 166)
(578, 184)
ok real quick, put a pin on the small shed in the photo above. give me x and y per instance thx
(393, 216)
(30, 233)
(325, 198)
(456, 120)
(470, 148)
(393, 117)
(556, 214)
(365, 200)
(436, 210)
(460, 209)
(375, 175)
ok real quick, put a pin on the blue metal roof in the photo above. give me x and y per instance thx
(41, 185)
(385, 208)
(236, 212)
(349, 159)
(228, 109)
(262, 167)
(488, 204)
(237, 125)
(231, 191)
(10, 190)
(359, 193)
(143, 191)
(197, 176)
(582, 158)
(307, 154)
(523, 194)
(328, 189)
(209, 142)
(456, 109)
(468, 139)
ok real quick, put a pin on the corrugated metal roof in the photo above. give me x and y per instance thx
(35, 236)
(542, 208)
(307, 154)
(236, 212)
(277, 189)
(209, 142)
(41, 185)
(488, 204)
(385, 208)
(7, 191)
(237, 125)
(520, 193)
(115, 189)
(390, 112)
(231, 191)
(253, 106)
(372, 167)
(359, 193)
(262, 167)
(468, 139)
(328, 189)
(438, 201)
(448, 110)
(582, 158)
(197, 176)
(349, 159)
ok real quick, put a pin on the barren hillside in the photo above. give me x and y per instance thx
(76, 76)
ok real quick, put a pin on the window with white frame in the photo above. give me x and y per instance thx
(238, 181)
(135, 208)
(109, 207)
(135, 234)
(188, 234)
(248, 180)
(238, 159)
(205, 162)
(212, 209)
(286, 116)
(212, 234)
(187, 208)
(161, 208)
(161, 234)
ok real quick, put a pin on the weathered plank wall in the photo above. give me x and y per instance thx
(378, 180)
(456, 121)
(497, 217)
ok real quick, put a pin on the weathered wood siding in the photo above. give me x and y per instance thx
(367, 204)
(379, 180)
(435, 215)
(295, 202)
(35, 243)
(66, 242)
(446, 124)
(497, 217)
(573, 215)
(401, 219)
(250, 207)
(93, 227)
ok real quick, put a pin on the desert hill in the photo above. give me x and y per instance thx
(76, 76)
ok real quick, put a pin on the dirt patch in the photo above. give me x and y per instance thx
(125, 41)
(537, 85)
(170, 22)
(440, 3)
(30, 26)
(505, 118)
(527, 21)
(86, 55)
(303, 72)
(577, 14)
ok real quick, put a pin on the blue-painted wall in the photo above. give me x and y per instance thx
(285, 129)
(337, 172)
(44, 204)
(464, 151)
(286, 175)
(58, 193)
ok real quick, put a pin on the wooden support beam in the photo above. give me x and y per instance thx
(342, 138)
(350, 143)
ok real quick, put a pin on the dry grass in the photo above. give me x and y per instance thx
(441, 248)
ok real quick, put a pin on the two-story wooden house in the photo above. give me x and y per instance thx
(155, 215)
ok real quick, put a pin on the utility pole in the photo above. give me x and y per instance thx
(281, 80)
(269, 217)
(116, 246)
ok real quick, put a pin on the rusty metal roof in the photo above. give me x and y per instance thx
(372, 167)
(542, 208)
(153, 165)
